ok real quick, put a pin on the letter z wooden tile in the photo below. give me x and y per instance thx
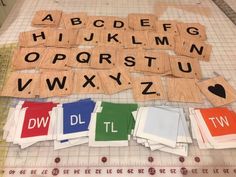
(148, 88)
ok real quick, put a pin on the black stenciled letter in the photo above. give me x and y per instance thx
(146, 89)
(75, 21)
(48, 17)
(194, 47)
(144, 22)
(192, 31)
(134, 41)
(163, 41)
(85, 59)
(118, 24)
(117, 79)
(89, 81)
(150, 60)
(55, 81)
(41, 35)
(166, 26)
(95, 23)
(35, 54)
(110, 37)
(90, 37)
(129, 61)
(186, 71)
(105, 56)
(58, 57)
(20, 87)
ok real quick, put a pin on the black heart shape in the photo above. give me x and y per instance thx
(218, 90)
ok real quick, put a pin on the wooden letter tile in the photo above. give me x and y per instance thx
(44, 18)
(21, 85)
(185, 67)
(103, 57)
(148, 88)
(27, 58)
(88, 81)
(183, 90)
(56, 83)
(218, 91)
(115, 80)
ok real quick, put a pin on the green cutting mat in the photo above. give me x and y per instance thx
(6, 52)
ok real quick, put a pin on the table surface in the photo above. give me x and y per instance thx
(221, 33)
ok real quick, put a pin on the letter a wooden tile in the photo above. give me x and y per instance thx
(45, 18)
(183, 90)
(218, 91)
(21, 85)
(148, 88)
(115, 80)
(56, 83)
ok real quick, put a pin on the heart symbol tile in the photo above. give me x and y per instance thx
(218, 90)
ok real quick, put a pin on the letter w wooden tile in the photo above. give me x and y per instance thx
(148, 88)
(56, 83)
